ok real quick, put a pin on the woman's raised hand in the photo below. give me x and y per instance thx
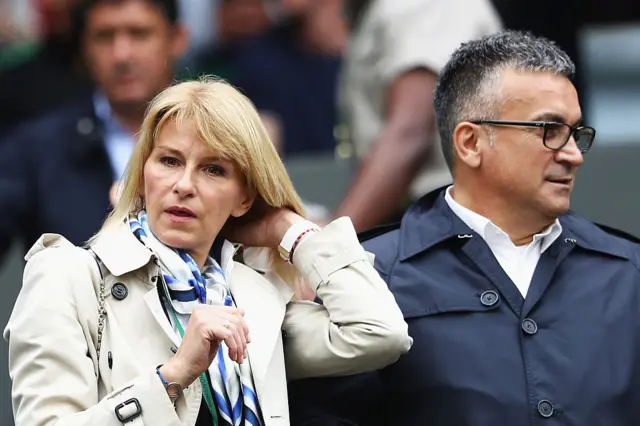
(208, 327)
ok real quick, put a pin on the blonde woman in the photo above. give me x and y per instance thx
(154, 323)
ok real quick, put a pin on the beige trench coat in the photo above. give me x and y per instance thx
(52, 332)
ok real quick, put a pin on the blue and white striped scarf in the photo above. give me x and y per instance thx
(232, 383)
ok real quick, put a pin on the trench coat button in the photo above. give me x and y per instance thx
(489, 298)
(529, 326)
(119, 291)
(545, 408)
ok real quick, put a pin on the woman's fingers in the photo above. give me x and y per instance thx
(235, 342)
(243, 333)
(226, 324)
(242, 336)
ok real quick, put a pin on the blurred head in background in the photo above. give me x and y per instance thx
(129, 47)
(54, 16)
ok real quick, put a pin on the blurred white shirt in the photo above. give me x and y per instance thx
(396, 36)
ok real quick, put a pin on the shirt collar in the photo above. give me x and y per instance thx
(104, 113)
(102, 107)
(482, 226)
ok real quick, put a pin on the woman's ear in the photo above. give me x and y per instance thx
(245, 204)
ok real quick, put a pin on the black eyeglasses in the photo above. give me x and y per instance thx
(554, 135)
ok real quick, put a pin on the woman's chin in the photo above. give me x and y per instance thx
(177, 239)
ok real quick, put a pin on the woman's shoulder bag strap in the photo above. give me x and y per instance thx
(102, 312)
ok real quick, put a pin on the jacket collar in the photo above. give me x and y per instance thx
(430, 221)
(120, 250)
(592, 237)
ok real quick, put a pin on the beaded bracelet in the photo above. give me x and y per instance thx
(297, 241)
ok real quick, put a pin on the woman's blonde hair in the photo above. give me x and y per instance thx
(226, 121)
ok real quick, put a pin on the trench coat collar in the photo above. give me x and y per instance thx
(120, 251)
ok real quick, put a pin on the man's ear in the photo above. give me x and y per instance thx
(245, 204)
(467, 143)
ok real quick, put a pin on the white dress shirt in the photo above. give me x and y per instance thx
(119, 142)
(519, 262)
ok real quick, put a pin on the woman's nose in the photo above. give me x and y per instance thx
(184, 185)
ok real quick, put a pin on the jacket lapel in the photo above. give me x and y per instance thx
(545, 270)
(121, 253)
(153, 303)
(264, 312)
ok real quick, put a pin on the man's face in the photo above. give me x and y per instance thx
(519, 168)
(130, 48)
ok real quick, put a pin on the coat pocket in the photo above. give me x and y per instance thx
(467, 304)
(441, 299)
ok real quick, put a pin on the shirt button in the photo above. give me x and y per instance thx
(545, 408)
(489, 298)
(529, 326)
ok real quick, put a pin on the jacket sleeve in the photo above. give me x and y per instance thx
(359, 327)
(53, 375)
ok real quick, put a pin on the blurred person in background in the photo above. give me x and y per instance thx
(51, 78)
(285, 56)
(56, 172)
(396, 51)
(196, 16)
(19, 32)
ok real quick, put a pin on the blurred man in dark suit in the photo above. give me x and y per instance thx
(56, 172)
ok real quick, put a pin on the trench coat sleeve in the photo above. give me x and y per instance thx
(53, 374)
(359, 327)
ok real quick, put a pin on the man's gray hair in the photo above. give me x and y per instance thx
(466, 86)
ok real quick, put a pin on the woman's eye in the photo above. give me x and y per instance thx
(215, 170)
(169, 161)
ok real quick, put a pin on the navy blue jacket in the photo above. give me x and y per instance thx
(55, 176)
(568, 354)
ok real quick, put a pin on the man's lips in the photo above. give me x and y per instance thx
(561, 181)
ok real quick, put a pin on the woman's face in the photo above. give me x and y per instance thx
(190, 192)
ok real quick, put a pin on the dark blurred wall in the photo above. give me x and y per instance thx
(558, 20)
(561, 21)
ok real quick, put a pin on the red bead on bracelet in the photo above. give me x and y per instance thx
(297, 241)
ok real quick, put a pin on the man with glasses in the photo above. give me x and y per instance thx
(521, 311)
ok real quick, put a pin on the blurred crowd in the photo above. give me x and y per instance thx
(76, 76)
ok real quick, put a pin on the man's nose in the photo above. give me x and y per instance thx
(122, 47)
(570, 153)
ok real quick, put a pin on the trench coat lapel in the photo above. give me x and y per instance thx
(153, 303)
(264, 313)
